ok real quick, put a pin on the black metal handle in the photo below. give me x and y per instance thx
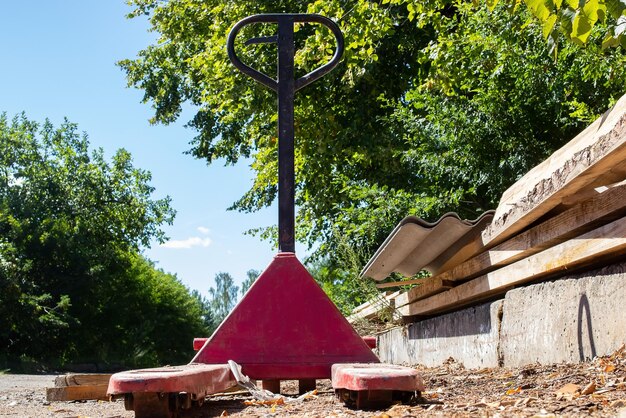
(278, 18)
(286, 86)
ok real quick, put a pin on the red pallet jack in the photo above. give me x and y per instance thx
(285, 327)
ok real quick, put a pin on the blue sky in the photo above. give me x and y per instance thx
(57, 59)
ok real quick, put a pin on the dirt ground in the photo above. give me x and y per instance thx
(596, 388)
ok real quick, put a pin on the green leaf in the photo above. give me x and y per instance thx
(540, 9)
(567, 20)
(590, 9)
(553, 46)
(584, 22)
(491, 4)
(609, 41)
(601, 11)
(615, 7)
(411, 9)
(549, 25)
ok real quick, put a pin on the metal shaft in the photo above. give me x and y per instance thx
(286, 175)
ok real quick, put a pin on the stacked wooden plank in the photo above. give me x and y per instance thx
(375, 308)
(78, 387)
(568, 213)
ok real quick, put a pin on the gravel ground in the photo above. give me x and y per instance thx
(596, 388)
(25, 396)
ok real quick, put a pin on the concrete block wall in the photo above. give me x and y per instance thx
(567, 320)
(470, 335)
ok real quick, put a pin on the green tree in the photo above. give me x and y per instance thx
(438, 105)
(73, 286)
(577, 19)
(223, 296)
(153, 318)
(208, 318)
(251, 276)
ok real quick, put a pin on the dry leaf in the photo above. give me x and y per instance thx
(620, 403)
(399, 411)
(224, 413)
(609, 368)
(513, 391)
(568, 389)
(589, 389)
(619, 352)
(271, 402)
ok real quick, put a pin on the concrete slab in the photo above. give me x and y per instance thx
(470, 336)
(568, 320)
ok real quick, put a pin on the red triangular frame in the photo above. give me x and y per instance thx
(285, 327)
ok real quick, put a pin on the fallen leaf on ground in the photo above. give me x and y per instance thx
(523, 402)
(272, 402)
(543, 414)
(589, 389)
(513, 391)
(568, 389)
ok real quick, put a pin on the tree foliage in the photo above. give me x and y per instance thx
(251, 276)
(437, 105)
(73, 286)
(577, 19)
(223, 297)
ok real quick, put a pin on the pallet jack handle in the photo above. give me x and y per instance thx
(285, 85)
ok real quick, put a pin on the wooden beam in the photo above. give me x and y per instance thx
(78, 379)
(77, 393)
(587, 249)
(604, 207)
(373, 307)
(366, 305)
(429, 286)
(597, 155)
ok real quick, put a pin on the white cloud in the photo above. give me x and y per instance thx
(188, 243)
(204, 230)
